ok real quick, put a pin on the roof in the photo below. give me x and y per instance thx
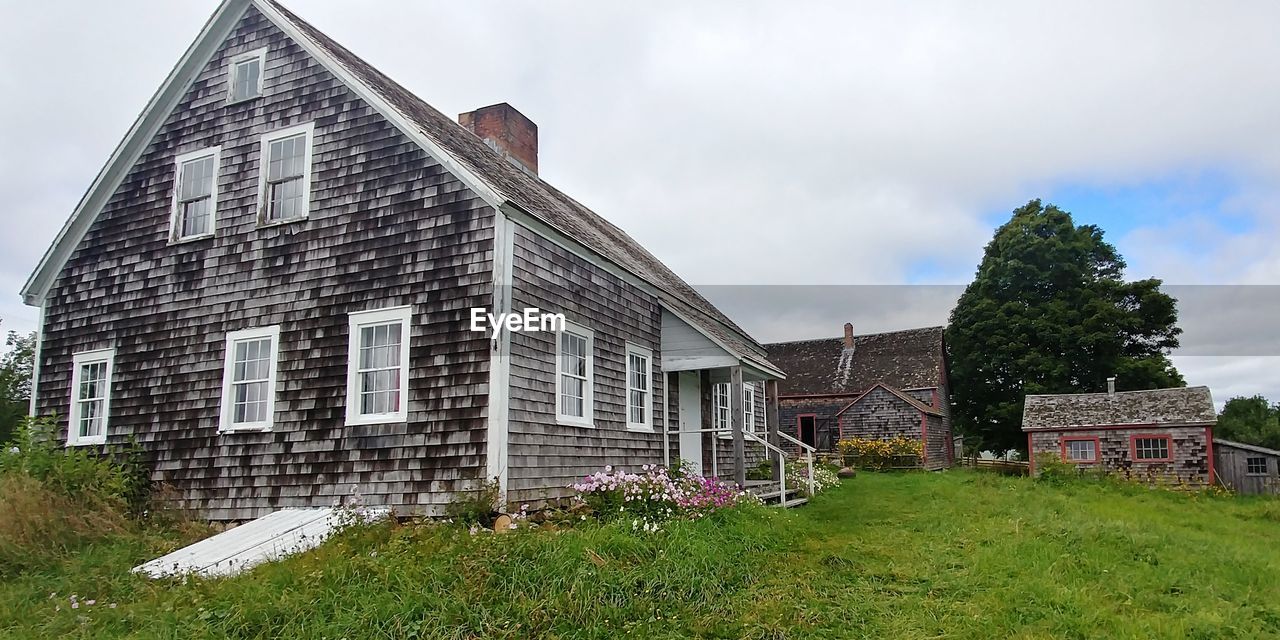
(918, 405)
(1247, 447)
(1155, 407)
(909, 359)
(504, 185)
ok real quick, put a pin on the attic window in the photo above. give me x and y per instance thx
(244, 75)
(195, 198)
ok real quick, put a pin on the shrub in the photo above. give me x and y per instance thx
(38, 524)
(798, 477)
(478, 507)
(75, 471)
(876, 454)
(656, 495)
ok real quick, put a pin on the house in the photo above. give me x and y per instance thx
(878, 385)
(1246, 468)
(272, 286)
(1158, 435)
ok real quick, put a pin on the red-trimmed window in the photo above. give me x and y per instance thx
(1151, 448)
(1080, 449)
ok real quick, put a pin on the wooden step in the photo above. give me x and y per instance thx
(794, 503)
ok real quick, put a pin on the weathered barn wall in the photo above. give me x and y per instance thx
(823, 407)
(1190, 464)
(544, 457)
(388, 226)
(880, 415)
(937, 444)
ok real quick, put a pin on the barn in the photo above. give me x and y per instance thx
(1161, 436)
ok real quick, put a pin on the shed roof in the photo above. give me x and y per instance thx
(1247, 447)
(909, 359)
(1180, 406)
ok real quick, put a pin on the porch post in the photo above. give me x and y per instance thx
(771, 423)
(736, 418)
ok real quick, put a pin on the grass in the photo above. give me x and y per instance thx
(951, 555)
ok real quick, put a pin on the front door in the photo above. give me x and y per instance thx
(691, 419)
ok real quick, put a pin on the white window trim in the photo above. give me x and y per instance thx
(74, 439)
(356, 319)
(261, 55)
(647, 354)
(175, 216)
(588, 392)
(727, 434)
(264, 161)
(228, 366)
(749, 408)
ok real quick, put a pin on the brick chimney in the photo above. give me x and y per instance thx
(506, 130)
(848, 335)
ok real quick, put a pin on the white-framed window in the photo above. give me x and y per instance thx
(195, 195)
(1080, 450)
(749, 407)
(575, 375)
(639, 387)
(1255, 466)
(90, 397)
(249, 379)
(378, 366)
(284, 191)
(244, 75)
(720, 410)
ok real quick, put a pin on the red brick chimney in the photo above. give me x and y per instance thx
(508, 131)
(848, 335)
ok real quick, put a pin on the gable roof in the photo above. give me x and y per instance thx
(909, 359)
(1191, 406)
(481, 168)
(916, 404)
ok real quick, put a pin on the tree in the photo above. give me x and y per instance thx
(15, 381)
(1050, 312)
(1251, 421)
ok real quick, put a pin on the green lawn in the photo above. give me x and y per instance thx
(951, 555)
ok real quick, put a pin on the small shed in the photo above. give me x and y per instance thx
(1156, 436)
(1246, 468)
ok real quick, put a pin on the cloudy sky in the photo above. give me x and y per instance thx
(758, 147)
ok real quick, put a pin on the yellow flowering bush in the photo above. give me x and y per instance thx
(868, 453)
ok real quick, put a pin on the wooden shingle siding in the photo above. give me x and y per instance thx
(387, 226)
(824, 408)
(1190, 464)
(544, 457)
(880, 415)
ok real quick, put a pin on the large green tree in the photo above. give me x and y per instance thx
(1251, 421)
(15, 381)
(1050, 312)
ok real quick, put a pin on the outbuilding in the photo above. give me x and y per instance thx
(1246, 468)
(1160, 436)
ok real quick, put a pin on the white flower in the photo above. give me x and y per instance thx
(14, 450)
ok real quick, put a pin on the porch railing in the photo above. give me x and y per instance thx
(808, 452)
(779, 451)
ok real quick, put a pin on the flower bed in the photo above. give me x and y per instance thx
(891, 453)
(798, 477)
(656, 494)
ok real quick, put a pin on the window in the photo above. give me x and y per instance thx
(90, 397)
(1255, 466)
(749, 407)
(1080, 449)
(639, 387)
(244, 75)
(1151, 448)
(378, 366)
(285, 190)
(574, 376)
(195, 195)
(720, 410)
(249, 380)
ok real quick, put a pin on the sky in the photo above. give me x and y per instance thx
(805, 164)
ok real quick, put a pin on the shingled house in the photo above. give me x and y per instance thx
(878, 385)
(270, 287)
(1159, 435)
